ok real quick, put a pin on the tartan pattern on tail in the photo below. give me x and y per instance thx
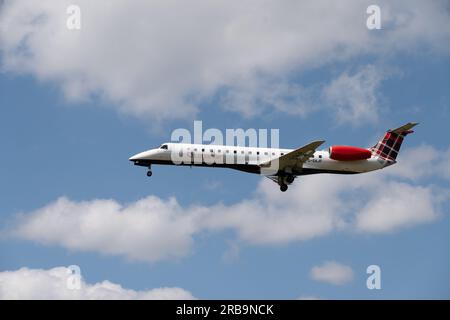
(389, 146)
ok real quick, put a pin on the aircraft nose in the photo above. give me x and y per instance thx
(140, 156)
(134, 158)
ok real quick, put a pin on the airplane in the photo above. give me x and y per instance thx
(282, 166)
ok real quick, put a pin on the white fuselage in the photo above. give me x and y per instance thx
(249, 159)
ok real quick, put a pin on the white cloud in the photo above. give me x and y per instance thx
(332, 272)
(422, 162)
(163, 59)
(154, 229)
(353, 97)
(25, 284)
(252, 97)
(150, 229)
(398, 205)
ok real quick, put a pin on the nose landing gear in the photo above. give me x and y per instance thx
(283, 187)
(149, 172)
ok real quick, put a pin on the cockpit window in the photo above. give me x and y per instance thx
(164, 146)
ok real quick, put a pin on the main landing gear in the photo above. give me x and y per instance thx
(284, 181)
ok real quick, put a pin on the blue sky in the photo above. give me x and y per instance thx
(68, 127)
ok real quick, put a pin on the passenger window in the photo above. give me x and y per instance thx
(235, 151)
(266, 153)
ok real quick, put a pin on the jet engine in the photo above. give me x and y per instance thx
(347, 153)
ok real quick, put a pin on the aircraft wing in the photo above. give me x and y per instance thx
(296, 157)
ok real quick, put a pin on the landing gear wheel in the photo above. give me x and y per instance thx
(149, 173)
(290, 179)
(283, 187)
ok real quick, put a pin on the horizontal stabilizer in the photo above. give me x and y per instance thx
(404, 128)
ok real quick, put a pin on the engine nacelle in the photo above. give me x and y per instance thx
(347, 153)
